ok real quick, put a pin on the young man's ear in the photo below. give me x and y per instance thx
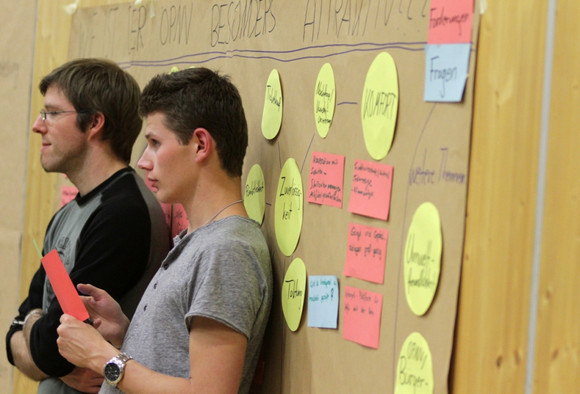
(203, 142)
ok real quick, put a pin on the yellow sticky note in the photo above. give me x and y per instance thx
(324, 99)
(289, 207)
(380, 102)
(255, 194)
(415, 367)
(293, 292)
(272, 115)
(422, 260)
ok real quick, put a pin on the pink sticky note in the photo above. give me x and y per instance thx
(370, 193)
(366, 253)
(67, 194)
(450, 21)
(65, 291)
(326, 179)
(362, 316)
(179, 220)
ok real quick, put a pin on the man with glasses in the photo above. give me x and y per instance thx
(112, 235)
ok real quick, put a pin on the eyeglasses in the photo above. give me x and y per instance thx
(44, 113)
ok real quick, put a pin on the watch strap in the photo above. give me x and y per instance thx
(119, 360)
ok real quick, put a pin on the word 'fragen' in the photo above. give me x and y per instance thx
(444, 75)
(234, 20)
(422, 175)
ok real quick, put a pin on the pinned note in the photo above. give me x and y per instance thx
(272, 112)
(323, 301)
(366, 253)
(446, 70)
(362, 316)
(379, 105)
(65, 291)
(450, 21)
(326, 179)
(289, 207)
(255, 194)
(422, 259)
(324, 99)
(293, 293)
(370, 193)
(414, 373)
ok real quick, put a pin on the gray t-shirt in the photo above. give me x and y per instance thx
(220, 271)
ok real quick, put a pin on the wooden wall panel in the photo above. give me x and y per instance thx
(491, 334)
(557, 351)
(16, 46)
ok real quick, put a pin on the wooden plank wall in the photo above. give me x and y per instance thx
(494, 300)
(557, 351)
(494, 304)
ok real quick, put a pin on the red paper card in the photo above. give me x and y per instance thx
(65, 291)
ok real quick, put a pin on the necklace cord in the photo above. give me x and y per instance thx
(223, 209)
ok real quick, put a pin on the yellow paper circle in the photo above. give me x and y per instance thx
(288, 210)
(415, 367)
(324, 99)
(272, 114)
(380, 102)
(293, 292)
(255, 194)
(422, 261)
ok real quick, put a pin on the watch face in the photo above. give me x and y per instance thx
(112, 371)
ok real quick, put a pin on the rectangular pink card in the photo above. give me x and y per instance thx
(450, 22)
(370, 193)
(326, 179)
(362, 316)
(366, 253)
(65, 291)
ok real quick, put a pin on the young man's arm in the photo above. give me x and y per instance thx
(217, 355)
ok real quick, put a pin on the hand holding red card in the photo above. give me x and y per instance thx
(65, 291)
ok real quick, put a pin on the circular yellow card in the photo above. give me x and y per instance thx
(415, 367)
(255, 194)
(288, 210)
(422, 260)
(324, 99)
(293, 293)
(380, 102)
(272, 114)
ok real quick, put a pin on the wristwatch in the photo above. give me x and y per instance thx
(115, 368)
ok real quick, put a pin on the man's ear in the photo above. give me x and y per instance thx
(203, 143)
(96, 124)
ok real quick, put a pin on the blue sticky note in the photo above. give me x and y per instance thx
(446, 69)
(323, 298)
